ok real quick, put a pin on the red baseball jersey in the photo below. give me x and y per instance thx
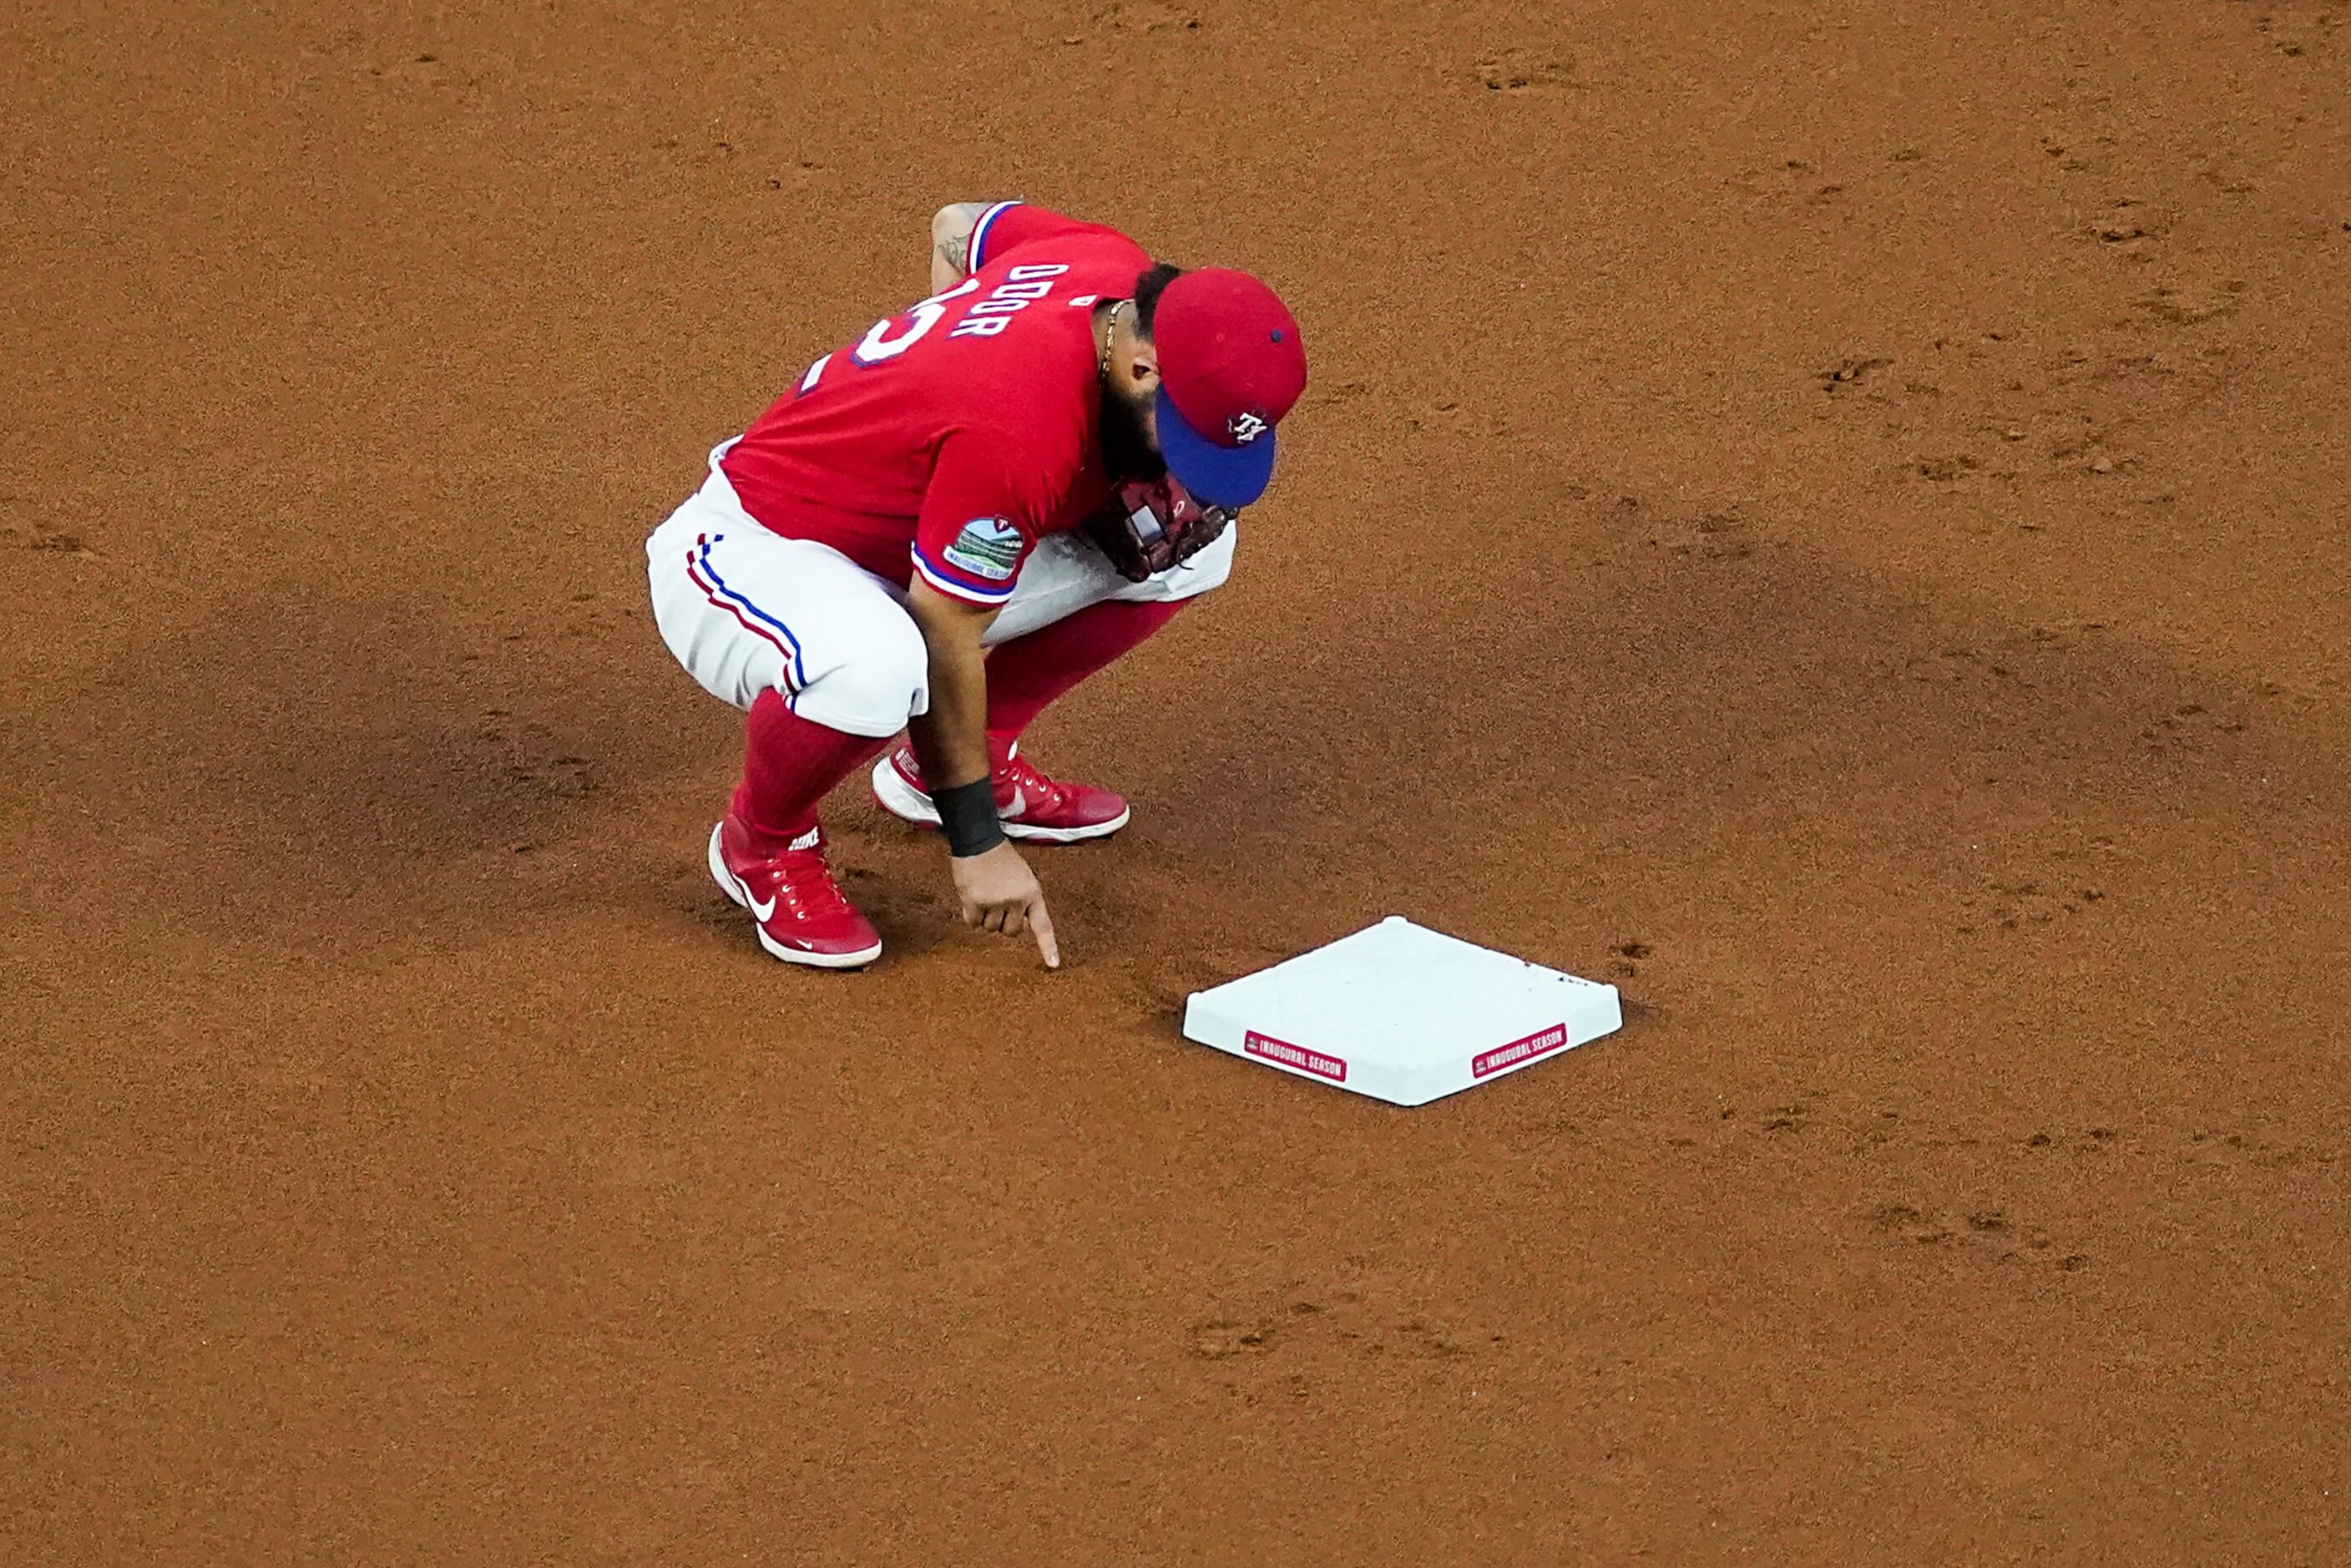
(948, 440)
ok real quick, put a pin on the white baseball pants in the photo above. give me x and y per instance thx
(746, 610)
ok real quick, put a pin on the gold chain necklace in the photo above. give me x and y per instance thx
(1110, 330)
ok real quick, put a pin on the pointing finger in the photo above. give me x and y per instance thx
(1043, 924)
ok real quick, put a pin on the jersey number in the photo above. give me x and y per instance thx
(877, 345)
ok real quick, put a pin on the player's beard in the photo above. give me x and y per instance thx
(1127, 449)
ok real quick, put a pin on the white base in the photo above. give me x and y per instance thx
(1402, 1013)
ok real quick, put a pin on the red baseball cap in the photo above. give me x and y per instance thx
(1230, 365)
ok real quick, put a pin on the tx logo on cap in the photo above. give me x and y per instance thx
(1230, 367)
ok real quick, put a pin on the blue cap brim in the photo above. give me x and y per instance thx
(1221, 476)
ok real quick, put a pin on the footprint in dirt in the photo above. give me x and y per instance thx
(1338, 393)
(2277, 690)
(556, 777)
(1983, 1235)
(2020, 905)
(2090, 1141)
(1520, 71)
(1957, 666)
(1709, 536)
(2298, 38)
(1791, 179)
(1849, 372)
(1144, 16)
(2043, 886)
(1221, 1339)
(46, 539)
(1415, 1337)
(2188, 728)
(2193, 306)
(1946, 469)
(2129, 229)
(1304, 1321)
(2246, 1150)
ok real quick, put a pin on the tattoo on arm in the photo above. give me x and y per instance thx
(951, 234)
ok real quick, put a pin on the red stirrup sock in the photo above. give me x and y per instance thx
(790, 763)
(1027, 674)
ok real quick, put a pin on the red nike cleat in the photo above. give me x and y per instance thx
(803, 917)
(1033, 807)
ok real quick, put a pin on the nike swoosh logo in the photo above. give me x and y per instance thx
(763, 911)
(1019, 803)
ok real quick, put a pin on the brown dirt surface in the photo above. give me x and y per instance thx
(1830, 516)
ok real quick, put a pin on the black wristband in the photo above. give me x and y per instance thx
(967, 816)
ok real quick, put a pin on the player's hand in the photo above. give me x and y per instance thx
(999, 893)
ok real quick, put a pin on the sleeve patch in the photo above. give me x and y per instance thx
(989, 548)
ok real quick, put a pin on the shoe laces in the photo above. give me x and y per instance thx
(1036, 790)
(804, 882)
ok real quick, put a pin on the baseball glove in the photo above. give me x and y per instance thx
(1149, 526)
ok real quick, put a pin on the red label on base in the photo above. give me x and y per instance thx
(1297, 1056)
(1517, 1050)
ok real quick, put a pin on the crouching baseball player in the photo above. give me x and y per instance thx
(947, 525)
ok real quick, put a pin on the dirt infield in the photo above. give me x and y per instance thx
(1832, 516)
